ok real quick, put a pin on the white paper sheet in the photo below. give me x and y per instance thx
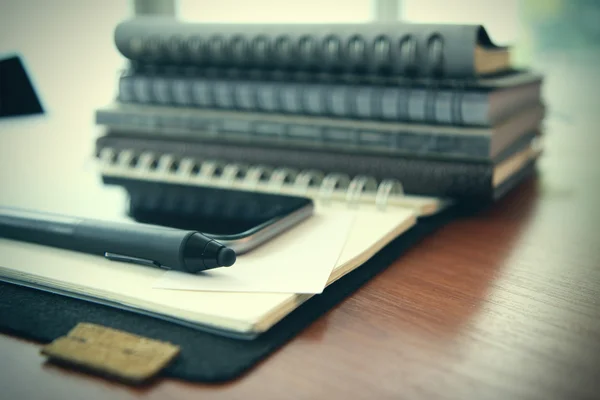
(298, 261)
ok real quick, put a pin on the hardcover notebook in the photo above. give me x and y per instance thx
(235, 314)
(400, 48)
(482, 101)
(320, 133)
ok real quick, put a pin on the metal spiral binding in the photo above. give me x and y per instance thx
(145, 162)
(330, 184)
(231, 172)
(125, 157)
(167, 167)
(107, 156)
(279, 177)
(165, 164)
(306, 179)
(255, 175)
(357, 187)
(387, 188)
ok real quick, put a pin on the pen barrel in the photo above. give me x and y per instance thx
(159, 245)
(45, 229)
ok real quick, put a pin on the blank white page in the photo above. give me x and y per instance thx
(297, 261)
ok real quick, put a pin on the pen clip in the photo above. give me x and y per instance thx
(133, 260)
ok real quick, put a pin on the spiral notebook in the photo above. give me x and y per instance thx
(396, 48)
(162, 181)
(418, 183)
(283, 131)
(481, 102)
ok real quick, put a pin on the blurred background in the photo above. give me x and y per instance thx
(68, 49)
(48, 31)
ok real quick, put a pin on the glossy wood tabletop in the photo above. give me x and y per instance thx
(501, 305)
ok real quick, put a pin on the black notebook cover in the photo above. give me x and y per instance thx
(397, 48)
(17, 94)
(320, 133)
(478, 102)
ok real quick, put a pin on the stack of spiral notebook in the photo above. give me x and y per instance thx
(436, 109)
(406, 117)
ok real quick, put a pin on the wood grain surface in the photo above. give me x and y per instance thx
(501, 305)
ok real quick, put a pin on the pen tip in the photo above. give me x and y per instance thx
(226, 257)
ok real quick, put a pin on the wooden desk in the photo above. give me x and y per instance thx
(501, 305)
(504, 305)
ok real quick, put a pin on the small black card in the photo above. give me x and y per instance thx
(17, 95)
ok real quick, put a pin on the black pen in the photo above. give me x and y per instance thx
(149, 245)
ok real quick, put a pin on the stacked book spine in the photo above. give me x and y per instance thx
(437, 108)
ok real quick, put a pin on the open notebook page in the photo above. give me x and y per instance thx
(307, 245)
(298, 261)
(131, 286)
